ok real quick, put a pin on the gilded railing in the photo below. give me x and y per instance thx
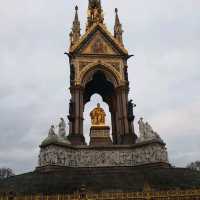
(193, 194)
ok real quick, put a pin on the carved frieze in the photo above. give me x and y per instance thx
(87, 157)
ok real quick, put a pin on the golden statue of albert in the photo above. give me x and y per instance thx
(98, 116)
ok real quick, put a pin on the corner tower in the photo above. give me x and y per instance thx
(98, 64)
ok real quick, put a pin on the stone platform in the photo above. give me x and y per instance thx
(61, 154)
(100, 136)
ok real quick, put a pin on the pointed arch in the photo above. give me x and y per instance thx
(110, 73)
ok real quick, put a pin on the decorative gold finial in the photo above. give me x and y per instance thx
(98, 116)
(95, 13)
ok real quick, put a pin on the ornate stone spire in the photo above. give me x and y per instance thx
(95, 13)
(118, 28)
(75, 33)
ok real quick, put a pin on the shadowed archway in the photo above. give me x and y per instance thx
(100, 85)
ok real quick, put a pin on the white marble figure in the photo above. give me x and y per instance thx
(151, 132)
(148, 128)
(146, 132)
(142, 129)
(52, 131)
(61, 128)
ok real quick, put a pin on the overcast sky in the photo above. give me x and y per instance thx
(164, 75)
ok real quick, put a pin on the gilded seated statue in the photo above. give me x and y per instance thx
(98, 116)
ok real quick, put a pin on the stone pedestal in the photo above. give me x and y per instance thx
(100, 136)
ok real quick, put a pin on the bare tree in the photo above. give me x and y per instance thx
(5, 173)
(194, 165)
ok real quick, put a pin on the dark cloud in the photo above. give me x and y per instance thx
(164, 36)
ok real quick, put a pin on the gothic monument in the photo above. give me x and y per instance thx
(98, 64)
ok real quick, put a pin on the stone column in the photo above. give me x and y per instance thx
(81, 110)
(125, 134)
(119, 123)
(76, 136)
(114, 126)
(124, 97)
